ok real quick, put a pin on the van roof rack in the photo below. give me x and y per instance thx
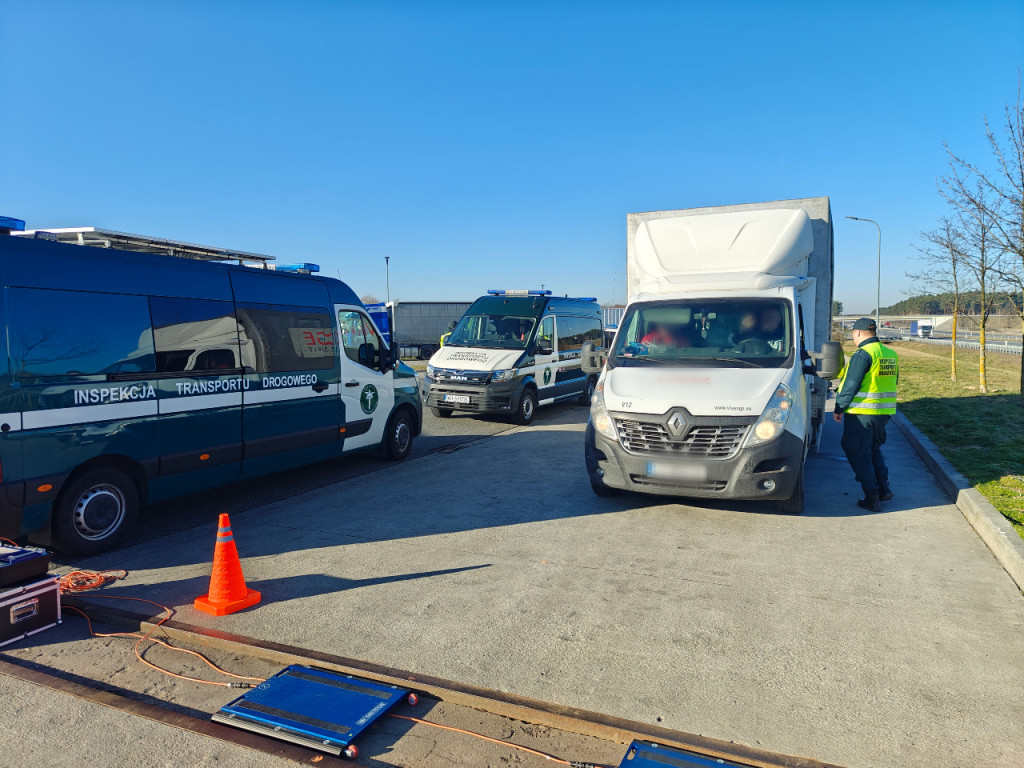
(108, 238)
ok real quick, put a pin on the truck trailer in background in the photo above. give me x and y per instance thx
(711, 388)
(921, 328)
(417, 326)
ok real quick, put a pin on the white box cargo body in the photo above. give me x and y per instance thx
(710, 389)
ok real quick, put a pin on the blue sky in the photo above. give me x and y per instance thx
(485, 145)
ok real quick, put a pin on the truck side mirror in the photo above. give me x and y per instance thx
(829, 361)
(544, 347)
(592, 359)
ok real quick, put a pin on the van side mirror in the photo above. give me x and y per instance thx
(366, 355)
(544, 347)
(592, 359)
(829, 361)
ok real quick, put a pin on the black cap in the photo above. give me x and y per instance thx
(864, 324)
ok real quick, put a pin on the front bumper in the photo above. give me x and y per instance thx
(483, 398)
(739, 477)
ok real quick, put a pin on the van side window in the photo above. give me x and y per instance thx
(356, 331)
(547, 329)
(287, 338)
(194, 334)
(74, 333)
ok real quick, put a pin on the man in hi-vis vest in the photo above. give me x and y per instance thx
(867, 395)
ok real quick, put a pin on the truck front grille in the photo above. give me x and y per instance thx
(651, 438)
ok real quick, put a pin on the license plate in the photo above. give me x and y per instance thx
(673, 471)
(457, 399)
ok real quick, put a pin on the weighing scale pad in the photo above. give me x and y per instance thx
(642, 754)
(312, 707)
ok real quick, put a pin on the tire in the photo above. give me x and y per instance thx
(398, 436)
(588, 392)
(794, 505)
(603, 490)
(427, 351)
(527, 407)
(93, 512)
(442, 413)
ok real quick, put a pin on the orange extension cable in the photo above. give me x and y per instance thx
(81, 581)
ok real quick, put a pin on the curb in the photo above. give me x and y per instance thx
(994, 529)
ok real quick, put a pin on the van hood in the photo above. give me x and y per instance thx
(701, 391)
(475, 358)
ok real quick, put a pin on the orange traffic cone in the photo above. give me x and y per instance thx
(228, 592)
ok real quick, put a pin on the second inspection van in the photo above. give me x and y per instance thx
(512, 351)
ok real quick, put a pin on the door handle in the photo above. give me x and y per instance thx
(320, 386)
(352, 383)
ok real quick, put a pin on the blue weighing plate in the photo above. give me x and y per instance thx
(642, 754)
(313, 707)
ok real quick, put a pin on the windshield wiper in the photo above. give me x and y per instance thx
(751, 363)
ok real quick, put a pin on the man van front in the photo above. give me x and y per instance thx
(702, 396)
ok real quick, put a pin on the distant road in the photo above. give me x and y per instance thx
(990, 346)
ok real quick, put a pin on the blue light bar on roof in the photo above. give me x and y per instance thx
(302, 269)
(517, 292)
(15, 225)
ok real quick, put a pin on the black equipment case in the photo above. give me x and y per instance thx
(29, 608)
(19, 564)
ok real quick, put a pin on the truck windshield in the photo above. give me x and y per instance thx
(497, 323)
(739, 332)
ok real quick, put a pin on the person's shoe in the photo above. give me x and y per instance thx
(870, 502)
(884, 492)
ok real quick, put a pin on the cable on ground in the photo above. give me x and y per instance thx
(538, 753)
(86, 580)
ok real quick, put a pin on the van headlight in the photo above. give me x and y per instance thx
(506, 375)
(773, 419)
(431, 371)
(599, 415)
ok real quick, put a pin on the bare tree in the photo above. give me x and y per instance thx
(942, 256)
(981, 255)
(369, 298)
(1004, 206)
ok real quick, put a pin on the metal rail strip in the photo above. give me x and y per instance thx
(606, 727)
(105, 696)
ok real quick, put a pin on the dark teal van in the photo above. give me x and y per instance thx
(133, 377)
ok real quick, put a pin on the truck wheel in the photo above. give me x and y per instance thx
(398, 438)
(527, 407)
(441, 413)
(93, 512)
(604, 491)
(588, 391)
(794, 505)
(427, 351)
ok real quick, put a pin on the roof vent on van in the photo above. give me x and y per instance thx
(302, 269)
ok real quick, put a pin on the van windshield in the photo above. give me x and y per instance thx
(497, 323)
(739, 332)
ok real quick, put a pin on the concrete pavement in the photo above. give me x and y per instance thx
(859, 639)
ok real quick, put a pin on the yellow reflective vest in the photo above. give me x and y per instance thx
(877, 394)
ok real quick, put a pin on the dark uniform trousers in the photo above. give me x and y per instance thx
(863, 438)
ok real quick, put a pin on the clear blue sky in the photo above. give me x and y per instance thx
(492, 144)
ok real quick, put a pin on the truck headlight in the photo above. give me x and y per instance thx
(773, 419)
(507, 375)
(431, 370)
(599, 415)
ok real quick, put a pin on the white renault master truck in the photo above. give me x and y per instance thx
(714, 385)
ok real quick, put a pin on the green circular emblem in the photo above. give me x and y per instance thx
(547, 375)
(368, 398)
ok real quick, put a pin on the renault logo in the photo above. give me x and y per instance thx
(676, 424)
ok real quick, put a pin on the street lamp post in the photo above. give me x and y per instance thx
(387, 279)
(878, 279)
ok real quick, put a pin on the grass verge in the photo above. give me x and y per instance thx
(982, 435)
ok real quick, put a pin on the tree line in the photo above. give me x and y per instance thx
(964, 303)
(973, 259)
